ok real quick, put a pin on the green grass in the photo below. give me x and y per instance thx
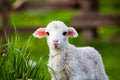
(41, 18)
(109, 7)
(16, 62)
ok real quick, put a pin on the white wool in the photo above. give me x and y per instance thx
(67, 62)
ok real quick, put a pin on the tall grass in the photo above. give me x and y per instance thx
(16, 62)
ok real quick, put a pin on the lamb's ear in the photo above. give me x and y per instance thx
(39, 33)
(72, 32)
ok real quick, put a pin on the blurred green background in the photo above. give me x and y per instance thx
(110, 50)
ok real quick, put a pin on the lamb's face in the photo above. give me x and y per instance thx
(56, 33)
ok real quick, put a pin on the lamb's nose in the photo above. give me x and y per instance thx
(55, 41)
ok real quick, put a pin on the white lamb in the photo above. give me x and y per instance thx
(67, 62)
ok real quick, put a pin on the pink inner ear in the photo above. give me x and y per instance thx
(71, 32)
(41, 33)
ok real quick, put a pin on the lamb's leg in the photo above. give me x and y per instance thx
(99, 66)
(100, 72)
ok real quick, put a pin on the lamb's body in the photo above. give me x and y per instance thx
(67, 62)
(76, 64)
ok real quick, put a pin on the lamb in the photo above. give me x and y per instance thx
(67, 62)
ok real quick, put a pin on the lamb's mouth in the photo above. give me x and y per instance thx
(56, 45)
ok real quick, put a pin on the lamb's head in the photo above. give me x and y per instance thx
(56, 33)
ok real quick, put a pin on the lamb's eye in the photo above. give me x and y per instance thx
(47, 33)
(64, 33)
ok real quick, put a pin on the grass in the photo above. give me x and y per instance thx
(109, 7)
(16, 63)
(41, 18)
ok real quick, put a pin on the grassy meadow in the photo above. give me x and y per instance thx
(25, 57)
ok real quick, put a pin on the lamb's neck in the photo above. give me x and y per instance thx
(58, 51)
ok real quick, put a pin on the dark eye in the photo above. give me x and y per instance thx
(64, 33)
(47, 33)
